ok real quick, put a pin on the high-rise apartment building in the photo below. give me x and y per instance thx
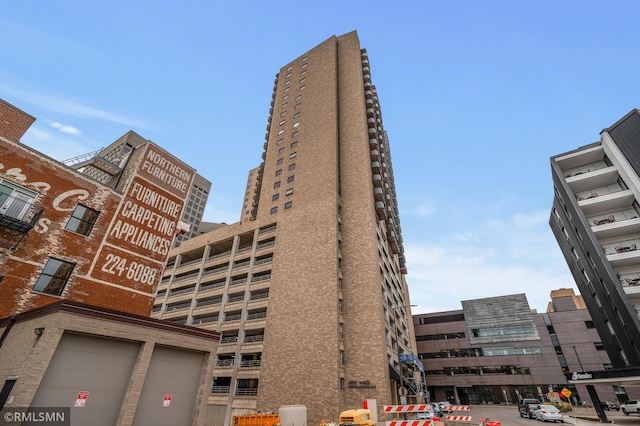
(106, 166)
(596, 221)
(309, 292)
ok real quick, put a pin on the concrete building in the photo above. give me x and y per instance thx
(496, 350)
(117, 155)
(105, 367)
(596, 221)
(309, 291)
(101, 239)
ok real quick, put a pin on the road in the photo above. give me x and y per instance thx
(509, 416)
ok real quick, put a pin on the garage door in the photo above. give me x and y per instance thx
(174, 376)
(100, 366)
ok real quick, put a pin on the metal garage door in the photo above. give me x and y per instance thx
(100, 366)
(173, 372)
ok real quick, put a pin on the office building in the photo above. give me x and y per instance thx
(100, 237)
(105, 165)
(497, 350)
(309, 291)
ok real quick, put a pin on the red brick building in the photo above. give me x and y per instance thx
(98, 234)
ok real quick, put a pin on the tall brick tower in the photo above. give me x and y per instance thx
(309, 290)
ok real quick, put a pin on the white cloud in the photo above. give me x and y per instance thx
(59, 102)
(64, 128)
(518, 256)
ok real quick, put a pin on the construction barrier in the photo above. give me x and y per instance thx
(410, 423)
(458, 418)
(411, 408)
(458, 408)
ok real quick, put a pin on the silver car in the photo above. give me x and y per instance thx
(548, 413)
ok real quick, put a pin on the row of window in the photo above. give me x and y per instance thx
(477, 352)
(480, 371)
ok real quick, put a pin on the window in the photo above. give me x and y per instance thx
(287, 89)
(302, 88)
(275, 197)
(288, 75)
(286, 83)
(281, 123)
(278, 172)
(303, 72)
(284, 105)
(281, 131)
(296, 124)
(305, 58)
(298, 106)
(589, 324)
(274, 210)
(295, 134)
(285, 97)
(291, 179)
(298, 97)
(303, 80)
(281, 150)
(82, 220)
(54, 277)
(280, 160)
(292, 166)
(15, 201)
(288, 205)
(279, 141)
(294, 144)
(289, 69)
(296, 115)
(283, 113)
(304, 65)
(277, 184)
(289, 191)
(293, 155)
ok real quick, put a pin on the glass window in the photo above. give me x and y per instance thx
(54, 277)
(15, 201)
(274, 210)
(289, 191)
(291, 179)
(280, 160)
(296, 115)
(278, 172)
(296, 124)
(279, 141)
(295, 134)
(82, 220)
(294, 144)
(292, 166)
(288, 205)
(281, 150)
(298, 97)
(277, 184)
(275, 197)
(301, 88)
(293, 155)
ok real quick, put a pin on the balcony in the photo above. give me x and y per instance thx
(246, 392)
(375, 167)
(367, 77)
(220, 389)
(18, 213)
(370, 112)
(374, 155)
(380, 210)
(377, 180)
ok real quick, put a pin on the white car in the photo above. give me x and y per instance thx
(548, 413)
(445, 407)
(630, 407)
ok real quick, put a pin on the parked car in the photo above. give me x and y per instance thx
(608, 406)
(631, 406)
(526, 407)
(445, 407)
(437, 409)
(548, 413)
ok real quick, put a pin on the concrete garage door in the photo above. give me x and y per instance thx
(171, 371)
(100, 366)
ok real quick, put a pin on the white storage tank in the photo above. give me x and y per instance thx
(293, 415)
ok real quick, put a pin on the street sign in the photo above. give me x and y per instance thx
(402, 391)
(566, 393)
(81, 399)
(167, 400)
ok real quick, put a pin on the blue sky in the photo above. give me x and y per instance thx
(476, 97)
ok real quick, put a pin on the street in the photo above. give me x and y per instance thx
(509, 416)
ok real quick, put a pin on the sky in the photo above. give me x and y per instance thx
(476, 96)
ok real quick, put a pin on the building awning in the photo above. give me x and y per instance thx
(614, 377)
